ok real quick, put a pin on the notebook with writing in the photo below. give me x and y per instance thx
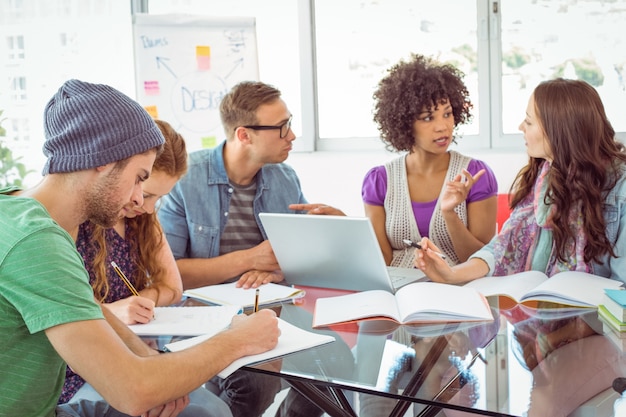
(332, 252)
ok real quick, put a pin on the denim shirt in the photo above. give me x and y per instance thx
(614, 210)
(194, 214)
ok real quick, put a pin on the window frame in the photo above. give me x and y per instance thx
(491, 136)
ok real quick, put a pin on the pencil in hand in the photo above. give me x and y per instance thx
(256, 300)
(123, 277)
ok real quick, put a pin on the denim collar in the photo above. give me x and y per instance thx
(217, 171)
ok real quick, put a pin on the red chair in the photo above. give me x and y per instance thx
(503, 211)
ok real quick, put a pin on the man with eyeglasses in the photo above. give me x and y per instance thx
(211, 218)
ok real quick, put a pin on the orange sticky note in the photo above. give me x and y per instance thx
(203, 57)
(152, 111)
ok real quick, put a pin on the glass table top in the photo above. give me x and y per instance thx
(547, 362)
(544, 362)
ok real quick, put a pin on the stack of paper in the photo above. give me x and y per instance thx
(615, 302)
(612, 314)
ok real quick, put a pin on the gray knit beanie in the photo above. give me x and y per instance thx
(91, 125)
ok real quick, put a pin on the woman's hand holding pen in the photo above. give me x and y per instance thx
(133, 310)
(428, 259)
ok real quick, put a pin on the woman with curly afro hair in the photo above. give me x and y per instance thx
(430, 190)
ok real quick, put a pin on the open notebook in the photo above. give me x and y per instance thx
(332, 252)
(292, 339)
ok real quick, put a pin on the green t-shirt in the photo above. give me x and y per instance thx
(43, 283)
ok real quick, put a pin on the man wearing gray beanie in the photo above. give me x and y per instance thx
(100, 146)
(91, 125)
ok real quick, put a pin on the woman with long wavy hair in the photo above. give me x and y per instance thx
(568, 203)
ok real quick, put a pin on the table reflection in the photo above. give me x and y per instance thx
(569, 359)
(531, 363)
(430, 362)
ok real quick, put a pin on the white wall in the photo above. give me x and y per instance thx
(334, 178)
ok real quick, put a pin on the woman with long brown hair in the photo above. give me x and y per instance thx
(137, 244)
(568, 202)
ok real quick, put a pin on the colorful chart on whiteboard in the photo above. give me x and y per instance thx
(185, 64)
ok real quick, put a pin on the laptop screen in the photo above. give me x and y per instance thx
(327, 251)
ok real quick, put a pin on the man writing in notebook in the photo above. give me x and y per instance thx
(211, 217)
(100, 146)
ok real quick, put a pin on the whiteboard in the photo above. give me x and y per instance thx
(185, 64)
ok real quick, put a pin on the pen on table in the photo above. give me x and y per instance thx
(256, 300)
(418, 246)
(123, 277)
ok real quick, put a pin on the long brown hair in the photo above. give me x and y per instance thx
(143, 232)
(587, 162)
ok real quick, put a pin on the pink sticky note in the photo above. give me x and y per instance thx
(203, 57)
(151, 88)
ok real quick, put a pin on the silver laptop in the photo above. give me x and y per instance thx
(332, 252)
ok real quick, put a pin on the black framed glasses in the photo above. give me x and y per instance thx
(283, 128)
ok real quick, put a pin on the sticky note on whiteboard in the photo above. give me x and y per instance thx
(203, 57)
(208, 142)
(152, 111)
(151, 88)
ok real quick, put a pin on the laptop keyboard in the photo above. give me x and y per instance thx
(403, 276)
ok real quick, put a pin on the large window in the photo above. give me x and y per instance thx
(505, 48)
(45, 43)
(354, 53)
(327, 57)
(545, 39)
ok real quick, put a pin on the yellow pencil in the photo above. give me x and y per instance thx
(123, 277)
(256, 300)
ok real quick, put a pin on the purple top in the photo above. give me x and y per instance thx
(118, 251)
(374, 191)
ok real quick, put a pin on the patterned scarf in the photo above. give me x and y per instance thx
(515, 245)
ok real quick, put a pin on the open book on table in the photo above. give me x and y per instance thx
(229, 294)
(292, 339)
(530, 288)
(187, 321)
(420, 302)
